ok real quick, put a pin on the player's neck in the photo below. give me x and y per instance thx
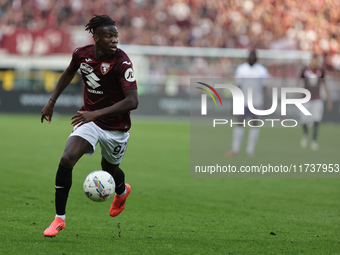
(99, 53)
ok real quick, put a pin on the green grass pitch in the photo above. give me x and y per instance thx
(167, 211)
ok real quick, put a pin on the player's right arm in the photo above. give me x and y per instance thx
(300, 80)
(64, 81)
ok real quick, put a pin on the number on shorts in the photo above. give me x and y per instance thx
(119, 149)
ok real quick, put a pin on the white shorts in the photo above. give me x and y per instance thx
(112, 142)
(315, 107)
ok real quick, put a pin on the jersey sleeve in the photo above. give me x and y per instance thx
(238, 72)
(126, 74)
(265, 73)
(75, 63)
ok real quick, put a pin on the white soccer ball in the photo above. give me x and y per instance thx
(99, 186)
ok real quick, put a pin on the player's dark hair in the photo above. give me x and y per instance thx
(98, 21)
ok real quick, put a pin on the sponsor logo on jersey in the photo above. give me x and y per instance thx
(104, 68)
(92, 81)
(129, 75)
(98, 92)
(85, 68)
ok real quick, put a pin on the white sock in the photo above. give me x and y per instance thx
(237, 138)
(253, 136)
(122, 193)
(63, 217)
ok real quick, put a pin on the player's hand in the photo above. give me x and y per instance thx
(47, 112)
(83, 117)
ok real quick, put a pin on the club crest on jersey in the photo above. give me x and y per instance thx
(104, 68)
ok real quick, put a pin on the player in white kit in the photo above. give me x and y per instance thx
(249, 75)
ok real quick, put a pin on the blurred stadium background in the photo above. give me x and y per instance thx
(169, 41)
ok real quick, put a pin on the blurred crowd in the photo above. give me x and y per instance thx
(311, 25)
(308, 25)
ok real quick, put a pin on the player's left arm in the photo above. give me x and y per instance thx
(265, 84)
(328, 97)
(324, 84)
(129, 103)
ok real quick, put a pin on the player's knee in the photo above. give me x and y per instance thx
(68, 160)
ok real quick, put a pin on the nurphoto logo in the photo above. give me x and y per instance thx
(238, 104)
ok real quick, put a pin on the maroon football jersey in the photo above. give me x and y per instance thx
(312, 81)
(104, 83)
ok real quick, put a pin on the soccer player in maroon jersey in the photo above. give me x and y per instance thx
(314, 77)
(110, 93)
